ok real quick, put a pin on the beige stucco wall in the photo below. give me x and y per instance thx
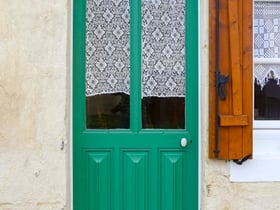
(35, 116)
(33, 104)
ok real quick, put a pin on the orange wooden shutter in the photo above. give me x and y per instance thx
(235, 61)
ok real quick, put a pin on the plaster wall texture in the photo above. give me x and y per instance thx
(33, 109)
(34, 116)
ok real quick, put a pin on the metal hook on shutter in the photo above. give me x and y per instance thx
(241, 161)
(223, 80)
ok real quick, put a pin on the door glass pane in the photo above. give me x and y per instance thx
(107, 63)
(163, 64)
(267, 60)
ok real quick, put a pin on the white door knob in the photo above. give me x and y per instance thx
(184, 142)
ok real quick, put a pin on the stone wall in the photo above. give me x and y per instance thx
(34, 114)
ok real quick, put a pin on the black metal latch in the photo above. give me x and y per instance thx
(221, 81)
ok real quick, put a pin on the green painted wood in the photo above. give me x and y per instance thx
(135, 180)
(135, 64)
(135, 169)
(99, 180)
(172, 179)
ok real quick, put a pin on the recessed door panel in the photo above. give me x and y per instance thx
(172, 182)
(99, 180)
(135, 180)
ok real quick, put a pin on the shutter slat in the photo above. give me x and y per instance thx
(235, 60)
(247, 56)
(224, 67)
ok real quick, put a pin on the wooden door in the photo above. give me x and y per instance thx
(136, 137)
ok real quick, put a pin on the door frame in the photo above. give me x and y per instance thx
(73, 57)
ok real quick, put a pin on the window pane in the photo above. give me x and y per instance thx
(108, 111)
(163, 64)
(267, 101)
(163, 112)
(266, 29)
(107, 63)
(267, 60)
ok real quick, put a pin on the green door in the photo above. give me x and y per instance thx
(135, 105)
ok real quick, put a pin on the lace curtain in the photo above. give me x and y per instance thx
(266, 42)
(107, 47)
(163, 47)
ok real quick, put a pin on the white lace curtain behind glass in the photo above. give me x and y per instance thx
(266, 42)
(163, 47)
(107, 47)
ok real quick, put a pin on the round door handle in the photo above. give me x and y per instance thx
(184, 142)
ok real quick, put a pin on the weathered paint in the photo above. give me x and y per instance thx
(33, 96)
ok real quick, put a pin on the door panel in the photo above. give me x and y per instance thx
(172, 177)
(99, 179)
(135, 179)
(121, 161)
(130, 172)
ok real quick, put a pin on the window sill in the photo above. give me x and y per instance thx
(266, 159)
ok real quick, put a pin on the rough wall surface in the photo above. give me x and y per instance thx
(217, 192)
(33, 117)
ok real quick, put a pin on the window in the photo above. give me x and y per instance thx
(266, 132)
(266, 64)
